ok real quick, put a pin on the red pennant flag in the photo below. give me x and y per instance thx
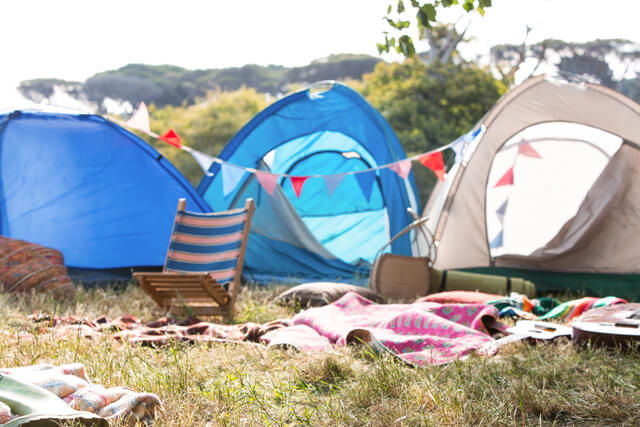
(297, 182)
(507, 178)
(527, 150)
(434, 162)
(170, 137)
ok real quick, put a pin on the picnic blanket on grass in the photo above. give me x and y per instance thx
(46, 392)
(419, 333)
(156, 333)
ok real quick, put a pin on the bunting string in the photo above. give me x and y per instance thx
(232, 174)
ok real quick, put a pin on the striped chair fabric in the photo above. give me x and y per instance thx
(207, 243)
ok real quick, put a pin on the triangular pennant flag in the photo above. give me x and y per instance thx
(204, 160)
(458, 148)
(171, 137)
(332, 182)
(497, 241)
(434, 162)
(502, 210)
(365, 182)
(527, 150)
(402, 168)
(268, 181)
(297, 182)
(231, 176)
(140, 119)
(507, 178)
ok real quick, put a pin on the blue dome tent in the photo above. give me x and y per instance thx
(315, 235)
(89, 188)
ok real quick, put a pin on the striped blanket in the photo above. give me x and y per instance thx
(519, 306)
(71, 384)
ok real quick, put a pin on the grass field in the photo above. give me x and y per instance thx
(549, 384)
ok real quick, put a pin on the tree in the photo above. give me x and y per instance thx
(425, 18)
(580, 61)
(431, 105)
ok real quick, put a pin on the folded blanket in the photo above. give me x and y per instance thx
(419, 333)
(571, 309)
(519, 306)
(45, 392)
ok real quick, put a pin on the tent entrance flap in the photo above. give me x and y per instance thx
(345, 222)
(552, 166)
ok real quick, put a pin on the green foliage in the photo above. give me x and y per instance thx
(425, 17)
(630, 88)
(206, 126)
(165, 85)
(429, 106)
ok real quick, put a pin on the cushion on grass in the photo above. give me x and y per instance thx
(460, 297)
(25, 266)
(317, 294)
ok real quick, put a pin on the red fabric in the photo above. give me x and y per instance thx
(507, 178)
(434, 162)
(460, 297)
(297, 182)
(171, 137)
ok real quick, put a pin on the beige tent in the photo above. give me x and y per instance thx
(547, 184)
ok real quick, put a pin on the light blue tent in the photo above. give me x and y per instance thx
(89, 188)
(317, 236)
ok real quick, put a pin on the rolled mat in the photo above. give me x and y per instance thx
(449, 280)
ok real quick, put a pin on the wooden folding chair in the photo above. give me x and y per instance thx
(203, 268)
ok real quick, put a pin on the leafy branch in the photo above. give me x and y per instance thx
(425, 17)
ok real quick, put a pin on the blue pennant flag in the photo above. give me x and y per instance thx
(332, 182)
(497, 241)
(365, 181)
(502, 210)
(231, 177)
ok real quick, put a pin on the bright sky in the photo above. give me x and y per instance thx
(73, 39)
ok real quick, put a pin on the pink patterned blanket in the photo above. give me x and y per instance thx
(419, 333)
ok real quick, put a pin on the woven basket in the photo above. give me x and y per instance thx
(400, 277)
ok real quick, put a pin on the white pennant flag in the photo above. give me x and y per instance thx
(204, 160)
(458, 148)
(140, 119)
(231, 177)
